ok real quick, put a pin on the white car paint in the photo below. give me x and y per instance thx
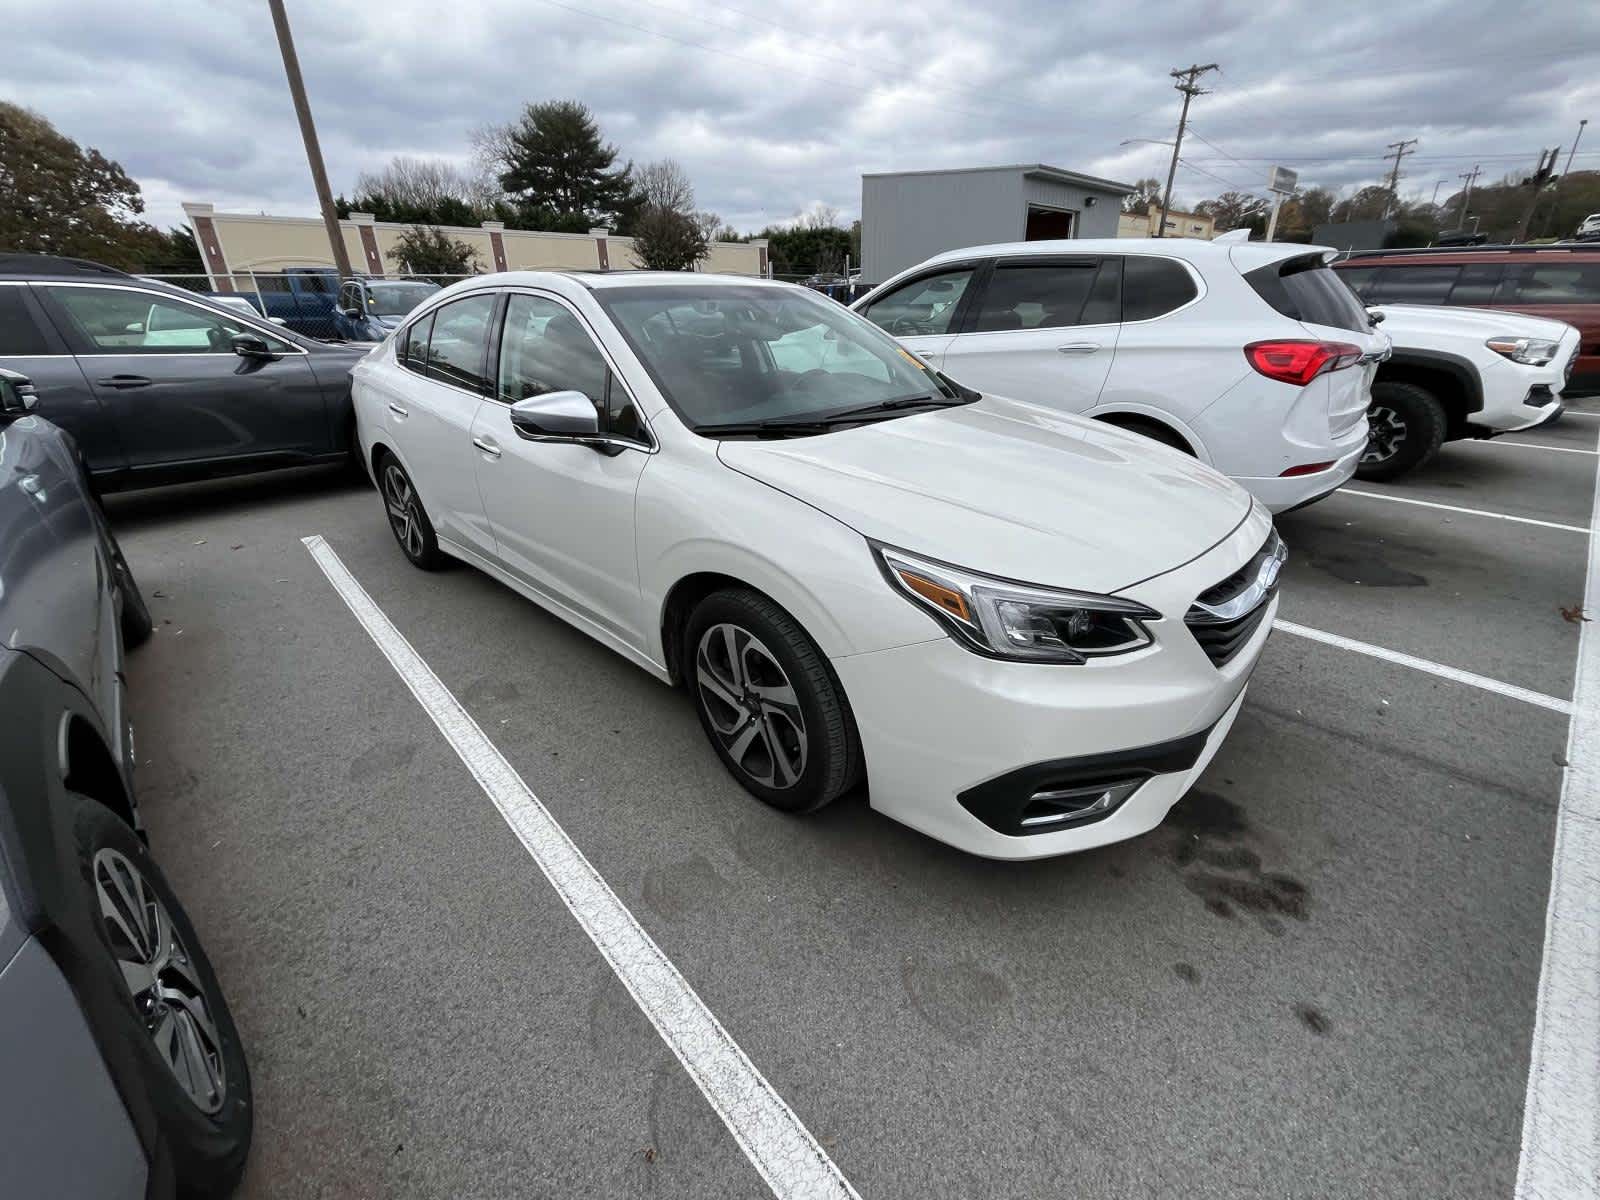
(1185, 369)
(1463, 334)
(1002, 488)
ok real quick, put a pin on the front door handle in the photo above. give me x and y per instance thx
(398, 411)
(1078, 348)
(488, 445)
(31, 485)
(124, 381)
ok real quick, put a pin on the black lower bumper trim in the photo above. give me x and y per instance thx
(1001, 803)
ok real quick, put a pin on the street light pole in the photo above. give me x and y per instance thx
(308, 133)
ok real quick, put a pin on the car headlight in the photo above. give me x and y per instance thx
(1533, 352)
(1004, 619)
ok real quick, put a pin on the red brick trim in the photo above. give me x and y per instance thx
(369, 246)
(205, 232)
(605, 258)
(497, 243)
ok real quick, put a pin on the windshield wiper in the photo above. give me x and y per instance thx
(771, 427)
(899, 404)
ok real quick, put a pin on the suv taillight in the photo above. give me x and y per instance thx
(1299, 362)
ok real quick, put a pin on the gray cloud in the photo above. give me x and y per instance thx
(773, 106)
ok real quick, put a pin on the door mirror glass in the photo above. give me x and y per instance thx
(556, 416)
(250, 345)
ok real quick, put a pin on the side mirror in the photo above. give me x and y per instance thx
(1375, 316)
(17, 396)
(556, 417)
(252, 345)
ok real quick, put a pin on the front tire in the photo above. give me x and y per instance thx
(1407, 425)
(157, 994)
(769, 702)
(407, 520)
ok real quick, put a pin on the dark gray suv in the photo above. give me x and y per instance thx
(159, 385)
(123, 1073)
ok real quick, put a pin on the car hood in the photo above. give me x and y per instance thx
(1401, 319)
(1011, 490)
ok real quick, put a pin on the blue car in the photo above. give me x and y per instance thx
(369, 310)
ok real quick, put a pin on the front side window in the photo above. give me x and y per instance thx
(1153, 287)
(1476, 283)
(922, 307)
(397, 299)
(121, 321)
(459, 342)
(546, 349)
(1036, 296)
(732, 354)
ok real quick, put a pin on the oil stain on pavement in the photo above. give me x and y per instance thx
(1206, 835)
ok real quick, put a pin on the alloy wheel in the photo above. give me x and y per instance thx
(1385, 432)
(404, 517)
(751, 705)
(162, 979)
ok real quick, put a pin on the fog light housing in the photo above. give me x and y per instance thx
(1050, 807)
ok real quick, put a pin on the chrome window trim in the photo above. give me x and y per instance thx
(238, 318)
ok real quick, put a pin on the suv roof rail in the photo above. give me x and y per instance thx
(12, 263)
(1553, 248)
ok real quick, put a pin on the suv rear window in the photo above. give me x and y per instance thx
(1305, 289)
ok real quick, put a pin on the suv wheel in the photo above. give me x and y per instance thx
(1406, 430)
(769, 702)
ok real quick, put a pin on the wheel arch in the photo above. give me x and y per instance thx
(1137, 420)
(88, 768)
(1452, 380)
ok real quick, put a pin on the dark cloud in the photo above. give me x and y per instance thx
(776, 105)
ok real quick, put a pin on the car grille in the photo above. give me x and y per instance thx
(1225, 616)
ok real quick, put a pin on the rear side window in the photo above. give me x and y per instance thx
(1305, 289)
(1036, 296)
(459, 342)
(1153, 287)
(1551, 283)
(413, 350)
(1414, 285)
(1476, 283)
(18, 333)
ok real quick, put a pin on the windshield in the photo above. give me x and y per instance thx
(724, 355)
(397, 299)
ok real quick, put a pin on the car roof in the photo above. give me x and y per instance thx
(1190, 249)
(601, 280)
(1461, 255)
(56, 266)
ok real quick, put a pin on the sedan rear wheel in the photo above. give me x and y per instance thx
(407, 520)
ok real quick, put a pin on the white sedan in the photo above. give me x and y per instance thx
(1028, 632)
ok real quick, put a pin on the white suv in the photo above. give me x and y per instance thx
(1459, 373)
(1028, 631)
(1254, 358)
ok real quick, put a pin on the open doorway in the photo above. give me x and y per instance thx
(1047, 224)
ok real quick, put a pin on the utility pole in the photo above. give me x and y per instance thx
(1401, 149)
(1542, 175)
(1574, 149)
(1186, 77)
(1466, 197)
(308, 133)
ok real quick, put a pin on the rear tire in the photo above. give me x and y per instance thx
(407, 520)
(769, 702)
(1407, 429)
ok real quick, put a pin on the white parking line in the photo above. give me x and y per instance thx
(767, 1130)
(1471, 512)
(1521, 445)
(1561, 1116)
(1454, 674)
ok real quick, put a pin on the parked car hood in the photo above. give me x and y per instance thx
(1009, 489)
(1400, 319)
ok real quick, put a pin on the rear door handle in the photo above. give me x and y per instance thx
(488, 446)
(1078, 348)
(398, 411)
(31, 485)
(124, 381)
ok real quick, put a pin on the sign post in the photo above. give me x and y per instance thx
(1281, 183)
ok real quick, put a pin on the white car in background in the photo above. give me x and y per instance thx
(1028, 632)
(1253, 358)
(1459, 373)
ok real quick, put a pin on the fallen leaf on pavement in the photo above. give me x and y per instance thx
(1573, 615)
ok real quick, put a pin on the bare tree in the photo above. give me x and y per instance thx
(818, 216)
(668, 234)
(665, 185)
(422, 183)
(713, 228)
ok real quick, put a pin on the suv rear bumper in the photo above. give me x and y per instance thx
(1280, 494)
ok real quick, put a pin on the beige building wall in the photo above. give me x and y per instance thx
(243, 242)
(1179, 224)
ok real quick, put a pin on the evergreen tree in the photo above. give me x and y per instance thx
(560, 172)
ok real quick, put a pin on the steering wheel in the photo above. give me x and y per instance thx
(806, 380)
(906, 327)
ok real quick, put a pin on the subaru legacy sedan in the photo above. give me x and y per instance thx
(1027, 633)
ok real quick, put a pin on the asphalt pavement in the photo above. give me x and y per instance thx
(1316, 979)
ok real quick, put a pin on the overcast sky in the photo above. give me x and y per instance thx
(777, 105)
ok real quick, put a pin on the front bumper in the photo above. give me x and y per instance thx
(939, 724)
